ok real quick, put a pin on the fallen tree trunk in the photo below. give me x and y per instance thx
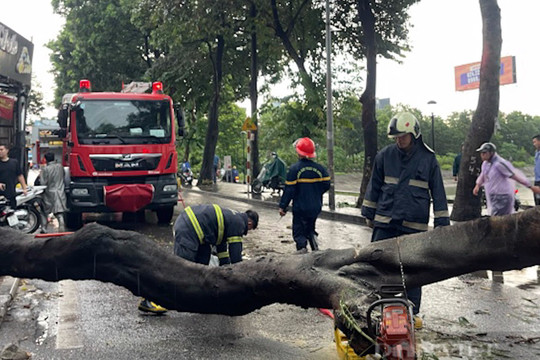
(320, 279)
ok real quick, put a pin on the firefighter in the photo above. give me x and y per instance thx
(405, 175)
(201, 227)
(306, 183)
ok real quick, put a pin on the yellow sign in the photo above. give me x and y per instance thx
(249, 125)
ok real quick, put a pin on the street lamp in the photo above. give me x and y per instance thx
(432, 102)
(243, 134)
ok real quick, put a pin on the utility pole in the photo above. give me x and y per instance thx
(432, 102)
(329, 115)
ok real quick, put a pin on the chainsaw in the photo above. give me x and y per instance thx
(394, 329)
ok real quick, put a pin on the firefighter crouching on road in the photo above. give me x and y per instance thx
(306, 183)
(397, 201)
(199, 228)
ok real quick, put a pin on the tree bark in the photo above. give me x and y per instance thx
(466, 206)
(207, 168)
(369, 122)
(320, 279)
(253, 94)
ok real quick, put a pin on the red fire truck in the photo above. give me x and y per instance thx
(15, 78)
(119, 151)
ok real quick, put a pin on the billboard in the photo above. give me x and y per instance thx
(467, 76)
(15, 56)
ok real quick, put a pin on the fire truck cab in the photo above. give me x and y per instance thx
(119, 151)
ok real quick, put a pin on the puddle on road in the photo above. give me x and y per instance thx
(524, 279)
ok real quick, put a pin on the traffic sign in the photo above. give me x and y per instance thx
(249, 125)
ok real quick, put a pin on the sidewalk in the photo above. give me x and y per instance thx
(345, 204)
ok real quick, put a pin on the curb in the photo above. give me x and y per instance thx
(325, 214)
(8, 285)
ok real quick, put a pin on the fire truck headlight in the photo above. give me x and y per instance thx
(170, 188)
(79, 192)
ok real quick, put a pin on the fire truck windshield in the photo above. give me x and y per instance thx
(123, 122)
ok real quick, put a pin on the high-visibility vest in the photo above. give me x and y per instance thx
(197, 226)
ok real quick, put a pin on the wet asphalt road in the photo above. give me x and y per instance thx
(104, 322)
(465, 317)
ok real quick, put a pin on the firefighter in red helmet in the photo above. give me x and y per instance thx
(306, 182)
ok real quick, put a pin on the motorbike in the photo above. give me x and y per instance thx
(272, 176)
(517, 201)
(186, 177)
(28, 215)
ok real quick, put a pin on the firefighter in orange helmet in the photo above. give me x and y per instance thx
(306, 182)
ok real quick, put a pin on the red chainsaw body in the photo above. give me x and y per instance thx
(396, 332)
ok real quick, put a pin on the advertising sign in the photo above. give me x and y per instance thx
(15, 56)
(467, 76)
(7, 104)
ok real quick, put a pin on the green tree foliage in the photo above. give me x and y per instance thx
(99, 43)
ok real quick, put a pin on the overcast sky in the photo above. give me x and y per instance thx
(445, 34)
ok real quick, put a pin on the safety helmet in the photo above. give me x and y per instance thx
(487, 147)
(305, 147)
(403, 123)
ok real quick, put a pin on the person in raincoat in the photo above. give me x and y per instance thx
(497, 177)
(54, 196)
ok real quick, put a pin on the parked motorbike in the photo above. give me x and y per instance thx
(186, 177)
(27, 216)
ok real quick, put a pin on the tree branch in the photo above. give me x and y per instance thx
(319, 279)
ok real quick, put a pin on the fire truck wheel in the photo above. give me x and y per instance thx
(165, 215)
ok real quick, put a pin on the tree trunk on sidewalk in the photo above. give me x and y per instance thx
(207, 168)
(467, 206)
(321, 279)
(369, 122)
(254, 96)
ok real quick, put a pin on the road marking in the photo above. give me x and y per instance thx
(68, 315)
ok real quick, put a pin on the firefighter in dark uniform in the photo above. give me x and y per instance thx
(199, 228)
(405, 176)
(306, 183)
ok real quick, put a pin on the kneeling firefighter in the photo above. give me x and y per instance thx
(201, 227)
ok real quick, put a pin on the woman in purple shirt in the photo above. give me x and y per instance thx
(497, 177)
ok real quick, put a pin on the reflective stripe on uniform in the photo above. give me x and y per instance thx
(290, 182)
(442, 213)
(391, 180)
(223, 255)
(415, 225)
(314, 180)
(220, 223)
(195, 223)
(234, 239)
(419, 183)
(383, 219)
(369, 204)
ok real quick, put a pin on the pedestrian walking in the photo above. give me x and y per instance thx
(405, 177)
(217, 163)
(497, 177)
(457, 163)
(10, 175)
(54, 196)
(305, 185)
(536, 144)
(201, 227)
